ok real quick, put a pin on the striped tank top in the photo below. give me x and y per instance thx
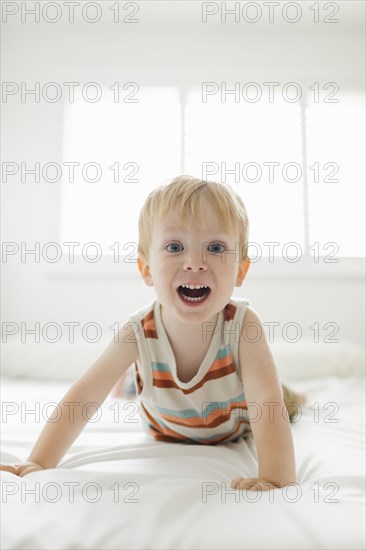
(211, 407)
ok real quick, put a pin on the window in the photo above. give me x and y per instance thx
(336, 173)
(238, 143)
(299, 167)
(125, 150)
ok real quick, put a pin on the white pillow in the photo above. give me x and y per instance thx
(66, 361)
(307, 359)
(50, 361)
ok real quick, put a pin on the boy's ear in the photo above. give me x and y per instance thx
(145, 272)
(242, 271)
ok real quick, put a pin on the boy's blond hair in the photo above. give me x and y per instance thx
(184, 195)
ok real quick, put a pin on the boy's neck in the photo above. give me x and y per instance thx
(192, 332)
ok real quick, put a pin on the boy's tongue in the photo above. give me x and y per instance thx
(194, 292)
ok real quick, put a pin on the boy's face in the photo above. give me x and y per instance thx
(187, 254)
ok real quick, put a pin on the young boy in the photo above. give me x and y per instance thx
(203, 370)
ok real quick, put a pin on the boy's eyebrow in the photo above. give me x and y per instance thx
(171, 230)
(176, 230)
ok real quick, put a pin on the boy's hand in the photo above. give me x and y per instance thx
(253, 484)
(21, 469)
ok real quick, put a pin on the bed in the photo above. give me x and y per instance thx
(117, 489)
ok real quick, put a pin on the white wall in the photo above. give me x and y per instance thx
(170, 45)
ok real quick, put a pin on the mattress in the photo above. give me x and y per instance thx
(115, 488)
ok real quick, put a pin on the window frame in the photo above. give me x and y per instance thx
(306, 267)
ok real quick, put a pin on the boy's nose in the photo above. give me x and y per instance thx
(195, 263)
(201, 268)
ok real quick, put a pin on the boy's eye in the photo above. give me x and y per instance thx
(216, 247)
(174, 245)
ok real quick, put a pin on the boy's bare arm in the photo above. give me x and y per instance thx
(92, 387)
(269, 418)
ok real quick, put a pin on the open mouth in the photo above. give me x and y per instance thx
(194, 294)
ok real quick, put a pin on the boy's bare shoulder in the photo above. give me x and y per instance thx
(252, 327)
(120, 353)
(129, 332)
(127, 339)
(255, 356)
(95, 384)
(251, 315)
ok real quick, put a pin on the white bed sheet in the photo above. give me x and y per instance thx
(117, 489)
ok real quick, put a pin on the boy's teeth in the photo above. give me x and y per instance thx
(188, 299)
(193, 293)
(192, 287)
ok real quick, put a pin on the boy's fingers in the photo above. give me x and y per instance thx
(29, 470)
(243, 483)
(250, 484)
(20, 469)
(12, 468)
